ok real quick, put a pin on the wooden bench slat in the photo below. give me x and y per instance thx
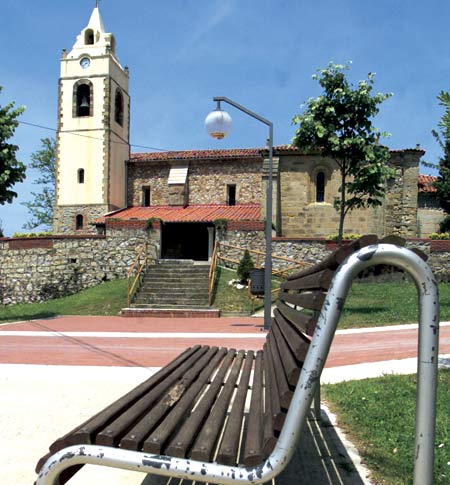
(204, 444)
(322, 280)
(290, 366)
(311, 300)
(183, 439)
(283, 386)
(304, 323)
(298, 344)
(82, 434)
(253, 452)
(138, 429)
(111, 433)
(229, 446)
(154, 442)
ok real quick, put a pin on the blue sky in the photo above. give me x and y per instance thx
(261, 53)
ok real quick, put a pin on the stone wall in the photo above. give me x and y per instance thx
(38, 269)
(206, 181)
(303, 216)
(64, 218)
(429, 214)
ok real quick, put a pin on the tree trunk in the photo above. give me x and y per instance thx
(342, 207)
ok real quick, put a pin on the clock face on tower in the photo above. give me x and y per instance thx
(85, 62)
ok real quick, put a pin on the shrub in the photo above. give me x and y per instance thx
(245, 266)
(150, 222)
(346, 237)
(440, 235)
(32, 234)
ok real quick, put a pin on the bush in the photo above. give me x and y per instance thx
(245, 266)
(345, 237)
(441, 235)
(444, 225)
(32, 234)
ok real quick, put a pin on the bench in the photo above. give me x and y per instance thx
(223, 415)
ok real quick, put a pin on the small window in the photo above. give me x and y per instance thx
(79, 222)
(231, 194)
(89, 37)
(83, 100)
(320, 187)
(81, 176)
(118, 116)
(146, 196)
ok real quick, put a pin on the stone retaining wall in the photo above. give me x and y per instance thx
(38, 269)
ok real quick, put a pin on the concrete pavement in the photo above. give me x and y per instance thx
(57, 372)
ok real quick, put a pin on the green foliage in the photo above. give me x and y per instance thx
(245, 266)
(221, 224)
(149, 223)
(1, 229)
(345, 237)
(41, 205)
(442, 183)
(33, 234)
(339, 124)
(11, 170)
(440, 235)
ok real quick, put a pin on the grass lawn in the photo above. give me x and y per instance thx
(105, 299)
(230, 299)
(376, 304)
(378, 414)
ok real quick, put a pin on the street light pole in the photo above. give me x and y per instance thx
(268, 227)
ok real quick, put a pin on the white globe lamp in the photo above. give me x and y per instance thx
(218, 124)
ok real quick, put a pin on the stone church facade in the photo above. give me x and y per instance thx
(187, 192)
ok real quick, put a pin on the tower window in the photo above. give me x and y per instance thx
(89, 37)
(146, 196)
(320, 187)
(81, 175)
(79, 222)
(118, 115)
(231, 194)
(83, 104)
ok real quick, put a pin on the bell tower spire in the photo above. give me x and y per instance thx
(93, 130)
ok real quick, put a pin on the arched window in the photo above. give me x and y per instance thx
(81, 175)
(320, 187)
(83, 100)
(89, 37)
(118, 115)
(79, 222)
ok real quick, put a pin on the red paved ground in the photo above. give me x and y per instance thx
(67, 350)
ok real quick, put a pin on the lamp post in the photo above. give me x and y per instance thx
(218, 125)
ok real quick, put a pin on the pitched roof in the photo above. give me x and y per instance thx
(191, 213)
(230, 153)
(426, 182)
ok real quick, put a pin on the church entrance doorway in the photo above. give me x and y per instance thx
(186, 240)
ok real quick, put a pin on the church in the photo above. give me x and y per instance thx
(193, 197)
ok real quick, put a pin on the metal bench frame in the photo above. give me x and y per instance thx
(305, 390)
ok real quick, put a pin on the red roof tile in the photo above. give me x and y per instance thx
(426, 182)
(228, 153)
(191, 213)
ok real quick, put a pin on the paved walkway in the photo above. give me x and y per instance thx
(54, 373)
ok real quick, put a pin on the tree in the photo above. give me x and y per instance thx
(245, 266)
(11, 170)
(442, 183)
(339, 124)
(41, 207)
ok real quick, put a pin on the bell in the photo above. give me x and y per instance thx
(84, 102)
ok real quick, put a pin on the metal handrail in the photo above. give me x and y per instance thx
(305, 390)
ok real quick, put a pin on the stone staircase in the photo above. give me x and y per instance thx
(171, 288)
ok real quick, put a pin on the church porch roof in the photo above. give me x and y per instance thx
(191, 213)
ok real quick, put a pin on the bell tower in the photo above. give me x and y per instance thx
(93, 131)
